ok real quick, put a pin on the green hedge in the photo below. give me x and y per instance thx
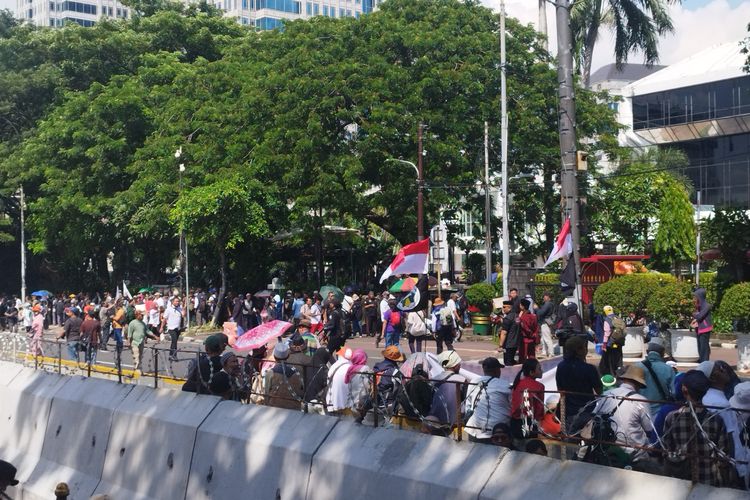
(630, 293)
(735, 305)
(481, 295)
(672, 303)
(547, 282)
(709, 282)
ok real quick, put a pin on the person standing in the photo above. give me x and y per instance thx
(334, 328)
(172, 323)
(137, 333)
(510, 336)
(316, 315)
(611, 343)
(544, 316)
(391, 325)
(90, 332)
(442, 325)
(36, 332)
(529, 328)
(382, 308)
(703, 324)
(118, 322)
(371, 314)
(72, 333)
(575, 375)
(416, 329)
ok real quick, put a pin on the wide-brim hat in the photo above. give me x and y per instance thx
(635, 373)
(438, 302)
(393, 353)
(741, 398)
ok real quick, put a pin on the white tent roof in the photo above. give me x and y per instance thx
(719, 62)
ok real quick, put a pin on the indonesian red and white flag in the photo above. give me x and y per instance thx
(412, 259)
(563, 244)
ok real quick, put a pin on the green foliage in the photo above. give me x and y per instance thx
(630, 293)
(671, 303)
(722, 324)
(710, 283)
(547, 283)
(736, 305)
(675, 237)
(729, 231)
(480, 295)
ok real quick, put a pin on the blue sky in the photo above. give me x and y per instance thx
(694, 4)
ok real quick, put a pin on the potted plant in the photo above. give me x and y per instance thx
(672, 304)
(736, 305)
(479, 296)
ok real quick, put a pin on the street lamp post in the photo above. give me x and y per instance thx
(23, 245)
(183, 239)
(420, 184)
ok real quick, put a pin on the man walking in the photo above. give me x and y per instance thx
(703, 324)
(172, 322)
(137, 333)
(90, 332)
(71, 333)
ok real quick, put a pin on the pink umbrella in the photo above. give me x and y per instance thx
(261, 335)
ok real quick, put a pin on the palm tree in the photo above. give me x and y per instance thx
(637, 25)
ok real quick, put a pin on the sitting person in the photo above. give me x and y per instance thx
(283, 383)
(201, 373)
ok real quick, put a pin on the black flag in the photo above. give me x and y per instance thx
(568, 277)
(416, 300)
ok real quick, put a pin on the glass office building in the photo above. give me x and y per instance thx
(701, 106)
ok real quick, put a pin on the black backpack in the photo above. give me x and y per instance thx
(602, 433)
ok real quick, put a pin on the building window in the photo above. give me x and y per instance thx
(83, 8)
(86, 23)
(341, 12)
(268, 23)
(316, 11)
(308, 8)
(325, 10)
(290, 6)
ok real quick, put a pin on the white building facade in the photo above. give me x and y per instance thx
(262, 14)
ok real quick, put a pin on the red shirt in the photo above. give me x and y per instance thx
(536, 398)
(529, 327)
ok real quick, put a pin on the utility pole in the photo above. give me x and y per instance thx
(184, 256)
(567, 122)
(420, 185)
(23, 246)
(487, 206)
(543, 22)
(504, 153)
(698, 242)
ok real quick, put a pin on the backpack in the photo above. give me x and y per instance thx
(601, 430)
(445, 316)
(395, 319)
(617, 336)
(414, 397)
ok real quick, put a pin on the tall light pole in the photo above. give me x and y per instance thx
(420, 184)
(23, 245)
(183, 240)
(504, 153)
(487, 207)
(566, 124)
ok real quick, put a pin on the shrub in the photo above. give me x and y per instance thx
(630, 293)
(735, 305)
(547, 283)
(709, 282)
(671, 303)
(480, 295)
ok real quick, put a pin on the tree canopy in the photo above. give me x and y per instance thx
(284, 137)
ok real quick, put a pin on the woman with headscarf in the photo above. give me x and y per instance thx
(359, 386)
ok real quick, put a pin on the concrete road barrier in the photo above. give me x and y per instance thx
(8, 371)
(246, 451)
(76, 439)
(523, 476)
(394, 464)
(25, 408)
(151, 444)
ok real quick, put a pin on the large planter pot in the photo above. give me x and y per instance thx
(743, 351)
(633, 347)
(684, 344)
(481, 323)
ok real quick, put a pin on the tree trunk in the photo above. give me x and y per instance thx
(588, 44)
(223, 287)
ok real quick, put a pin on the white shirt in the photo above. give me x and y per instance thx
(153, 317)
(337, 396)
(383, 308)
(160, 302)
(315, 314)
(714, 397)
(491, 406)
(173, 317)
(631, 420)
(346, 304)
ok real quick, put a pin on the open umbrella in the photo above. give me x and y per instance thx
(261, 335)
(337, 292)
(407, 284)
(263, 294)
(146, 289)
(41, 293)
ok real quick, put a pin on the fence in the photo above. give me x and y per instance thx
(362, 400)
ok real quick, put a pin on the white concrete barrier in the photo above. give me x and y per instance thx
(76, 439)
(8, 371)
(524, 476)
(247, 451)
(151, 444)
(24, 410)
(393, 464)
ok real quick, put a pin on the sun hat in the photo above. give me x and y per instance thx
(707, 367)
(438, 302)
(393, 353)
(635, 373)
(741, 398)
(449, 359)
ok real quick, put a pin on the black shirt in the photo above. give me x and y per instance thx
(200, 379)
(575, 375)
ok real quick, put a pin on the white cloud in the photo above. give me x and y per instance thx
(716, 22)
